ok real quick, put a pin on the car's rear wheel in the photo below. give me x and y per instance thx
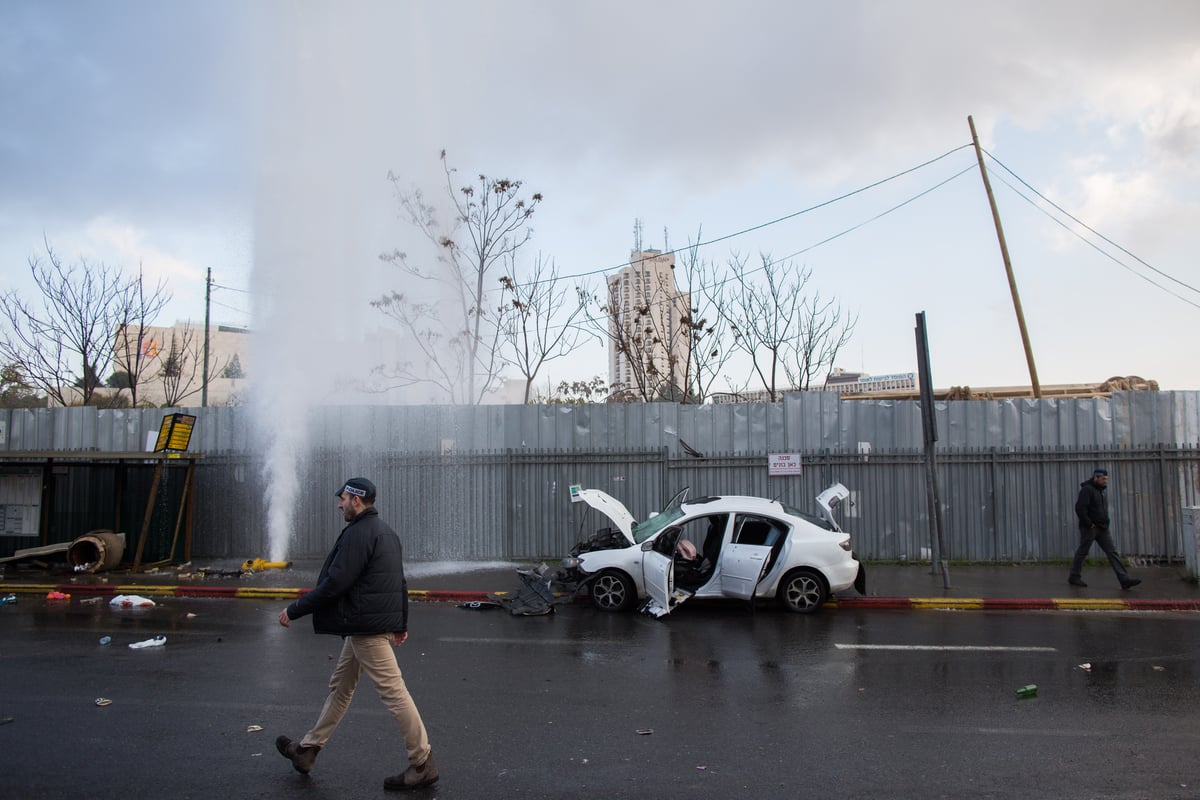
(803, 590)
(612, 590)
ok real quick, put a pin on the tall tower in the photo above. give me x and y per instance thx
(648, 340)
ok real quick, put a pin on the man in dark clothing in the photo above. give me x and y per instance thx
(361, 595)
(1092, 509)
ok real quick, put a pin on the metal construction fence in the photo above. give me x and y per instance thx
(998, 506)
(492, 482)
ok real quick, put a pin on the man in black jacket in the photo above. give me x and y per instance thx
(1092, 509)
(361, 595)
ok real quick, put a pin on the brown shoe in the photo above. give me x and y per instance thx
(413, 777)
(302, 756)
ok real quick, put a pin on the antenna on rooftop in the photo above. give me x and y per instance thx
(637, 235)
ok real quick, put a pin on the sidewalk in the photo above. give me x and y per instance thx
(911, 586)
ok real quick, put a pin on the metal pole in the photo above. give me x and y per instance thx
(937, 537)
(1012, 281)
(207, 307)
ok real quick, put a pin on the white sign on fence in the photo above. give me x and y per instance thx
(783, 464)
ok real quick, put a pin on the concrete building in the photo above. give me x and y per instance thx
(648, 345)
(840, 380)
(173, 359)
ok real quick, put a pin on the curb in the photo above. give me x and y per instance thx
(450, 596)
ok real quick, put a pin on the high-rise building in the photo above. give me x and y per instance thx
(648, 345)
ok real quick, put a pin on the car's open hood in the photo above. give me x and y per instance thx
(610, 507)
(829, 500)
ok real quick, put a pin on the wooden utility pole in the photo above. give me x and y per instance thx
(1012, 281)
(207, 306)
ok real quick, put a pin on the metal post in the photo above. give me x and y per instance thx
(937, 537)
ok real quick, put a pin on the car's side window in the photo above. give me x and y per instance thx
(753, 529)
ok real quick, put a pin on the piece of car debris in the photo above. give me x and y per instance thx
(103, 701)
(253, 728)
(645, 731)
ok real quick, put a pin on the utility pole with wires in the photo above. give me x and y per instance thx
(207, 308)
(1012, 280)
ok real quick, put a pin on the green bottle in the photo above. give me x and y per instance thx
(1029, 690)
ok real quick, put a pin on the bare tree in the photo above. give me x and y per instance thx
(540, 326)
(65, 341)
(578, 392)
(179, 366)
(787, 337)
(824, 329)
(133, 348)
(707, 329)
(458, 349)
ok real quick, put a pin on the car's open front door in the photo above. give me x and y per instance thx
(658, 573)
(742, 567)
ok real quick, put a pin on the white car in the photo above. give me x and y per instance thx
(711, 547)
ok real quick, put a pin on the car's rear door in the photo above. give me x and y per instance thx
(742, 567)
(746, 559)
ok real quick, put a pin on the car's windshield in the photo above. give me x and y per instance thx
(647, 528)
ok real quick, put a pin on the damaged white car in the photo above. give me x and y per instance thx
(712, 547)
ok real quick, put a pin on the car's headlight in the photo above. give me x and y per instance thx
(571, 563)
(845, 544)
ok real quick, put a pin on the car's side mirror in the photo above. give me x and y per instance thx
(647, 545)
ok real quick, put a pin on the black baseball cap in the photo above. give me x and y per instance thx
(359, 487)
(1099, 471)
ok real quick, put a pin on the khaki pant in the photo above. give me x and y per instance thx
(374, 656)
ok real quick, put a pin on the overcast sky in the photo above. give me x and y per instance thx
(255, 139)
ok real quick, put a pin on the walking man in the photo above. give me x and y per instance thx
(361, 595)
(1092, 510)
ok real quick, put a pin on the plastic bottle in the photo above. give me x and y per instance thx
(105, 639)
(8, 600)
(1029, 690)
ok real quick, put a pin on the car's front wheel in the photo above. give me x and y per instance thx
(612, 590)
(803, 590)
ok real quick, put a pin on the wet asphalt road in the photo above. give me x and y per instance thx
(761, 705)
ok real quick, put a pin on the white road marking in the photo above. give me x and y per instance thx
(952, 648)
(486, 640)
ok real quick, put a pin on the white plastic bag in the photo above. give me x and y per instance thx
(130, 601)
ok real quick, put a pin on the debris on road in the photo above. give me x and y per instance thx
(253, 728)
(57, 596)
(157, 641)
(130, 601)
(535, 597)
(103, 701)
(1028, 690)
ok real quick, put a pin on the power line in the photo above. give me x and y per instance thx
(216, 285)
(230, 308)
(1093, 245)
(778, 220)
(1086, 226)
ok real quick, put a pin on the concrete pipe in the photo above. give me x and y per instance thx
(96, 551)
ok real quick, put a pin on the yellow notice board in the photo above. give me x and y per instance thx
(175, 433)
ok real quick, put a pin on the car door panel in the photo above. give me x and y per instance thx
(742, 567)
(658, 573)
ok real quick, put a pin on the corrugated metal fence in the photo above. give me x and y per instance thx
(998, 506)
(1009, 471)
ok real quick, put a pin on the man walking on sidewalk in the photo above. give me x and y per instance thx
(362, 596)
(1092, 509)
